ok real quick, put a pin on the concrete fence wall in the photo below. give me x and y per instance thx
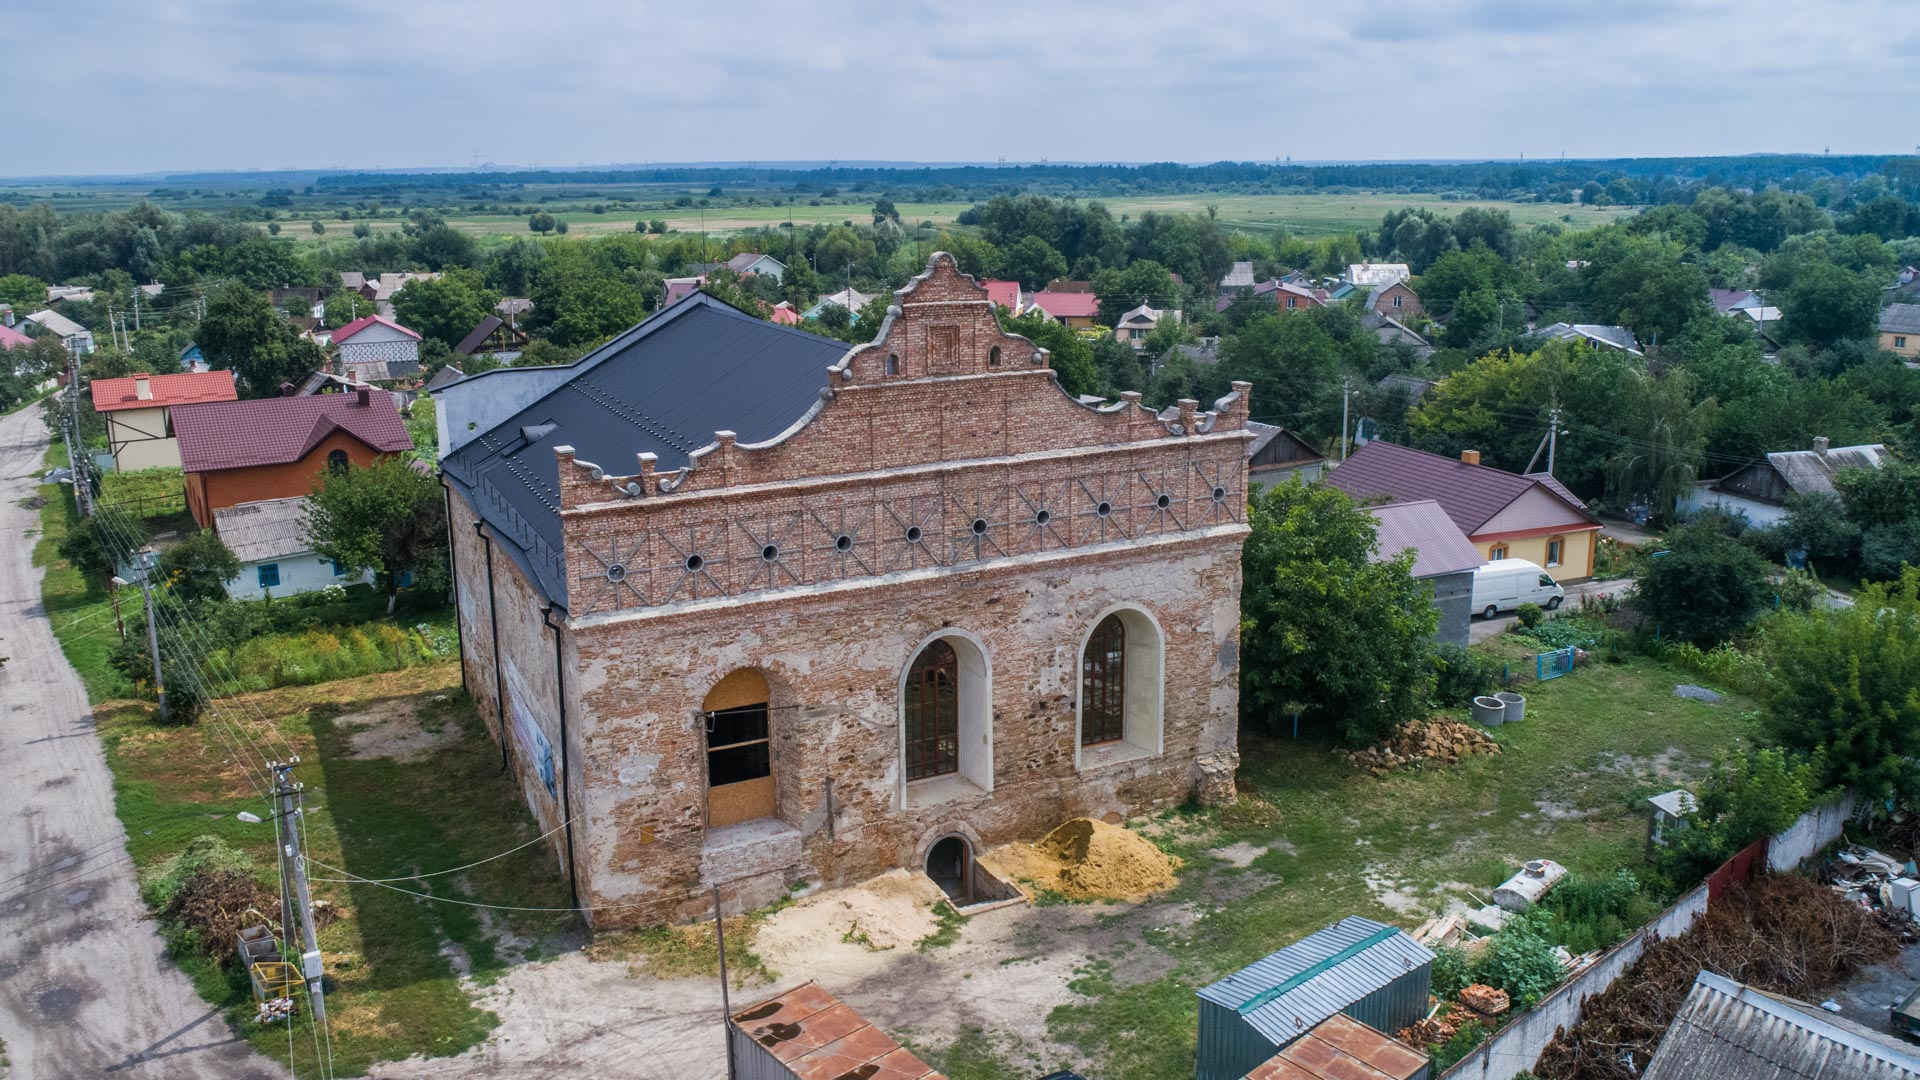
(1517, 1046)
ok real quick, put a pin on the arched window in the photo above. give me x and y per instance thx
(337, 462)
(739, 750)
(1122, 668)
(1103, 683)
(933, 712)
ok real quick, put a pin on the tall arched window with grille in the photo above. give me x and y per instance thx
(1103, 683)
(337, 462)
(933, 712)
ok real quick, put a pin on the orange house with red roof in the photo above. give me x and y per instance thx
(276, 448)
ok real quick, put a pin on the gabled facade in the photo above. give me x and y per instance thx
(749, 607)
(375, 349)
(752, 262)
(139, 413)
(272, 448)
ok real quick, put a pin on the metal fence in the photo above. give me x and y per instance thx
(1515, 1048)
(1553, 664)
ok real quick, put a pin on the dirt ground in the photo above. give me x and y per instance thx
(389, 729)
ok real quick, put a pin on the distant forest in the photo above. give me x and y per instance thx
(1621, 180)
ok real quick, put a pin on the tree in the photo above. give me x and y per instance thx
(319, 227)
(542, 222)
(23, 292)
(362, 230)
(242, 331)
(439, 246)
(1068, 354)
(1142, 282)
(386, 517)
(446, 308)
(1325, 630)
(578, 304)
(1032, 263)
(1846, 682)
(1826, 304)
(1703, 589)
(342, 306)
(97, 545)
(199, 567)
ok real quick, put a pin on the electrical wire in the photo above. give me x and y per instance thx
(468, 866)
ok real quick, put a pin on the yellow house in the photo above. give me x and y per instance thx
(1505, 515)
(138, 411)
(1900, 330)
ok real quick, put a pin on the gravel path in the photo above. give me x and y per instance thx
(84, 986)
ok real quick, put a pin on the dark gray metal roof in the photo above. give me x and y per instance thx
(1727, 1031)
(1812, 471)
(663, 387)
(1290, 991)
(1900, 319)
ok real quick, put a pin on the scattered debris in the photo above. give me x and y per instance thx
(1696, 693)
(274, 1010)
(1485, 1000)
(1437, 1028)
(1488, 917)
(1879, 883)
(1524, 889)
(1446, 930)
(1419, 741)
(1086, 859)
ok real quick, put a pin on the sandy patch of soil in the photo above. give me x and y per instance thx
(889, 912)
(389, 729)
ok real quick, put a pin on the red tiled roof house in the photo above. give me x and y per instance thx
(274, 448)
(139, 413)
(1505, 515)
(1075, 310)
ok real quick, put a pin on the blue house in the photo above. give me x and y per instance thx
(192, 359)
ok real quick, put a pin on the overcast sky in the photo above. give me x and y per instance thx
(113, 86)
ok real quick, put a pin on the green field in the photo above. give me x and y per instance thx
(1303, 215)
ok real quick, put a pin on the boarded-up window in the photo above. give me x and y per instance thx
(933, 713)
(943, 349)
(739, 750)
(1103, 683)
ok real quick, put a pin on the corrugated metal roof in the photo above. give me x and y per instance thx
(1900, 319)
(1438, 544)
(1340, 964)
(272, 431)
(1728, 1031)
(1811, 471)
(1471, 494)
(185, 388)
(264, 528)
(818, 1037)
(1342, 1048)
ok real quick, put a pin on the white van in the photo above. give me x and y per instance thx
(1505, 584)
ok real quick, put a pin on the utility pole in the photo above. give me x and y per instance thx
(1345, 389)
(286, 795)
(1553, 435)
(144, 559)
(726, 1009)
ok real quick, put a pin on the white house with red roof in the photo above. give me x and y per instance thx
(1073, 309)
(139, 413)
(375, 349)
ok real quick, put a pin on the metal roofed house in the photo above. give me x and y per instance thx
(1004, 293)
(444, 377)
(679, 288)
(77, 339)
(1290, 297)
(1276, 454)
(1134, 326)
(1900, 330)
(850, 298)
(1239, 277)
(1506, 515)
(1594, 334)
(241, 451)
(1729, 1031)
(1370, 275)
(513, 307)
(1342, 1048)
(493, 336)
(1443, 556)
(13, 339)
(1728, 301)
(752, 262)
(808, 1034)
(1375, 973)
(1760, 489)
(783, 314)
(1075, 310)
(269, 537)
(1395, 300)
(375, 349)
(139, 413)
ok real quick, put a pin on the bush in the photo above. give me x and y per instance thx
(1722, 664)
(1571, 631)
(1459, 674)
(1595, 912)
(1529, 615)
(1742, 800)
(95, 545)
(1520, 959)
(1452, 971)
(1703, 588)
(1463, 1041)
(1799, 591)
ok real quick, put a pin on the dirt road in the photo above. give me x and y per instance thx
(84, 987)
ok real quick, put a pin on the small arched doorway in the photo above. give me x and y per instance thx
(739, 749)
(949, 864)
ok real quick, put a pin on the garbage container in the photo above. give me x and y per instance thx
(1516, 706)
(1489, 711)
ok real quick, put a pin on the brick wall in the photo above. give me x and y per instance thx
(226, 487)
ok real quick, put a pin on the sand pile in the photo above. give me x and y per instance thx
(884, 913)
(1086, 859)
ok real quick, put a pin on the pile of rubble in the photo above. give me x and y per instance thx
(1419, 741)
(1485, 1000)
(1879, 883)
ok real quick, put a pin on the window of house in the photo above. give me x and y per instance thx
(338, 570)
(1554, 547)
(893, 363)
(337, 462)
(269, 574)
(1291, 300)
(1899, 341)
(1396, 299)
(739, 749)
(1497, 551)
(1103, 683)
(933, 712)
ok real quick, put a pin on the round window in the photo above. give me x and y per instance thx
(1163, 501)
(1219, 494)
(913, 534)
(1103, 509)
(1041, 517)
(770, 553)
(979, 526)
(616, 573)
(843, 542)
(695, 562)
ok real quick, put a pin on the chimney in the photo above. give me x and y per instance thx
(1820, 445)
(365, 394)
(143, 387)
(1471, 457)
(6, 311)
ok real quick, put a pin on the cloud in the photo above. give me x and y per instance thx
(196, 85)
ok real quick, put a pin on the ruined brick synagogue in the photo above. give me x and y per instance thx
(747, 607)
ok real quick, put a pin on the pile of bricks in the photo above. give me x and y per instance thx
(1434, 739)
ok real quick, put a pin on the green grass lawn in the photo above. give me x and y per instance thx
(394, 961)
(1339, 841)
(146, 493)
(81, 612)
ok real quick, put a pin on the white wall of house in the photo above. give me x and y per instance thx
(130, 433)
(305, 572)
(377, 344)
(1757, 512)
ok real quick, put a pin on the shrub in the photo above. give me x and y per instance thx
(1722, 664)
(1703, 588)
(1594, 912)
(1459, 673)
(95, 545)
(1742, 800)
(1571, 631)
(1799, 591)
(1520, 959)
(1459, 1045)
(1529, 615)
(1452, 971)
